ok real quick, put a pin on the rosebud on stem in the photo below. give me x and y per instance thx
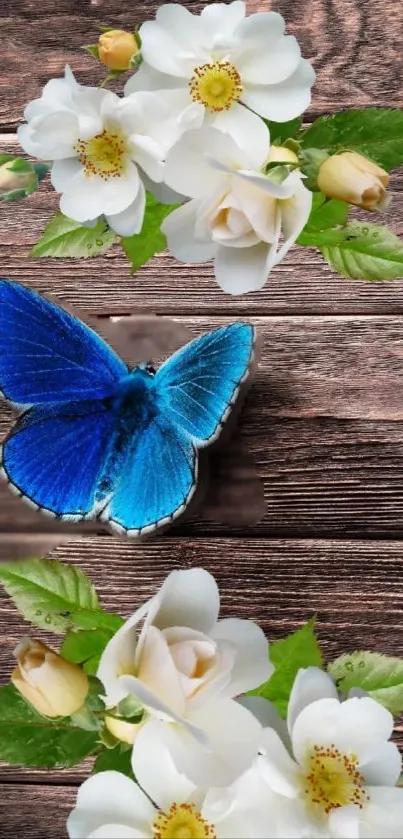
(355, 179)
(117, 49)
(53, 686)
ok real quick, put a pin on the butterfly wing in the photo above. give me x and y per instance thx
(198, 386)
(49, 356)
(54, 457)
(157, 482)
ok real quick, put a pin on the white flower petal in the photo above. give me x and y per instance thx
(179, 228)
(345, 724)
(117, 831)
(222, 18)
(265, 183)
(270, 66)
(118, 658)
(275, 765)
(383, 815)
(233, 737)
(147, 78)
(283, 101)
(157, 672)
(149, 155)
(187, 168)
(150, 700)
(316, 724)
(63, 171)
(51, 137)
(189, 598)
(252, 666)
(108, 798)
(240, 270)
(344, 822)
(160, 49)
(310, 685)
(161, 192)
(268, 26)
(295, 213)
(268, 716)
(130, 221)
(155, 770)
(247, 129)
(89, 197)
(383, 765)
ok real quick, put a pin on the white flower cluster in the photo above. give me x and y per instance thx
(208, 764)
(190, 126)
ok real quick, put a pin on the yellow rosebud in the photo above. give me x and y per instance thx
(280, 154)
(355, 179)
(10, 180)
(53, 686)
(117, 48)
(124, 731)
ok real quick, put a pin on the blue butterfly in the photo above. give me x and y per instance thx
(96, 439)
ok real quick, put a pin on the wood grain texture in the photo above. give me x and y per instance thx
(344, 39)
(39, 812)
(280, 583)
(302, 283)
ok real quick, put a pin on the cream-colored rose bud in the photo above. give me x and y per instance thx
(355, 179)
(10, 180)
(280, 154)
(124, 731)
(53, 686)
(117, 48)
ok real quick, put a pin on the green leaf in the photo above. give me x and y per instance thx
(52, 595)
(301, 649)
(28, 739)
(92, 49)
(64, 237)
(282, 131)
(143, 246)
(374, 132)
(362, 251)
(118, 759)
(89, 619)
(325, 213)
(86, 648)
(381, 676)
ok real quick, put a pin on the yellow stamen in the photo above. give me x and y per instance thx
(103, 155)
(216, 86)
(182, 821)
(333, 780)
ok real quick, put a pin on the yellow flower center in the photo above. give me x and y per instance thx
(216, 86)
(182, 821)
(332, 779)
(103, 155)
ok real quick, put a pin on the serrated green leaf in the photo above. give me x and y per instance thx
(89, 619)
(118, 759)
(301, 649)
(362, 251)
(49, 593)
(282, 131)
(381, 676)
(374, 132)
(27, 739)
(143, 246)
(64, 238)
(86, 648)
(5, 158)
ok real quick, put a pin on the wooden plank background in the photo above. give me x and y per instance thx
(324, 418)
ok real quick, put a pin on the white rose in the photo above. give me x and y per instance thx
(185, 667)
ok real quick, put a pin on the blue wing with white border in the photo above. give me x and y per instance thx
(47, 355)
(197, 387)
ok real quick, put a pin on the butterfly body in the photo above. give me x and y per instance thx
(96, 439)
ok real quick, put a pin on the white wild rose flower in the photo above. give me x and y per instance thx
(105, 150)
(235, 67)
